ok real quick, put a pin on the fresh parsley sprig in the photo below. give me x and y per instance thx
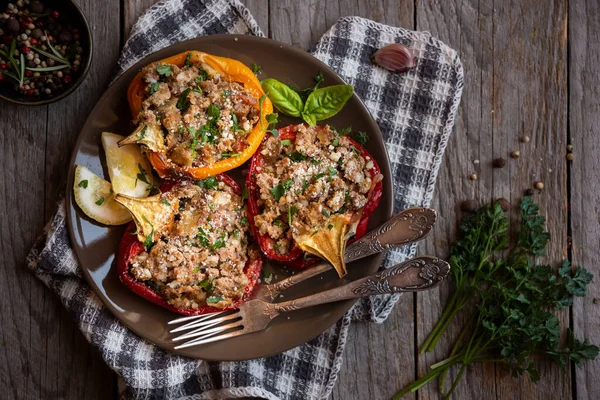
(512, 320)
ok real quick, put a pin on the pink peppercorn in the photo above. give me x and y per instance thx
(28, 73)
(1, 77)
(67, 79)
(25, 50)
(55, 14)
(30, 92)
(3, 66)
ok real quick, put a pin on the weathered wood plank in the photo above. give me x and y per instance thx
(132, 9)
(70, 367)
(514, 60)
(584, 108)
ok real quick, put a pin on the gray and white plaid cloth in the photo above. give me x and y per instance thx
(415, 112)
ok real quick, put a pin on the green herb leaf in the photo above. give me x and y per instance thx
(332, 171)
(187, 62)
(297, 156)
(213, 111)
(291, 212)
(245, 193)
(360, 137)
(325, 213)
(277, 192)
(202, 237)
(183, 103)
(100, 201)
(148, 242)
(208, 183)
(153, 88)
(214, 299)
(326, 102)
(202, 75)
(164, 70)
(286, 142)
(165, 202)
(220, 242)
(256, 68)
(83, 184)
(283, 97)
(244, 220)
(206, 284)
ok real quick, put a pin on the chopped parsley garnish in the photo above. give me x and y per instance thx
(314, 161)
(360, 137)
(288, 184)
(143, 133)
(214, 299)
(187, 62)
(304, 185)
(83, 184)
(226, 93)
(330, 226)
(100, 201)
(256, 68)
(277, 223)
(206, 284)
(141, 176)
(202, 237)
(220, 242)
(344, 131)
(236, 233)
(153, 88)
(277, 192)
(272, 118)
(325, 213)
(286, 142)
(235, 127)
(297, 156)
(245, 193)
(202, 75)
(183, 103)
(291, 212)
(336, 142)
(332, 171)
(208, 183)
(244, 220)
(318, 176)
(264, 274)
(274, 132)
(165, 202)
(164, 70)
(148, 242)
(213, 111)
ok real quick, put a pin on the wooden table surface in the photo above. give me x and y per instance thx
(531, 68)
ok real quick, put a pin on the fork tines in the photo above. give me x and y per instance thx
(208, 328)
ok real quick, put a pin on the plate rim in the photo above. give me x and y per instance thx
(387, 213)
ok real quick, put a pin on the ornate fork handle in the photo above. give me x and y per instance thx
(408, 226)
(417, 274)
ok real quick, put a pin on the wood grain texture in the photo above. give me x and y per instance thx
(515, 61)
(584, 108)
(514, 58)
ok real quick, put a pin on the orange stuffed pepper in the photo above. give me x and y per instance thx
(198, 115)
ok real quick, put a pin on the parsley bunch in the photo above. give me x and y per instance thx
(512, 319)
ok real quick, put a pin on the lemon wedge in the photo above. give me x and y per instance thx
(130, 173)
(96, 199)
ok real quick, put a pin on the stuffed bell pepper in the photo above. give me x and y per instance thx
(197, 114)
(311, 190)
(188, 250)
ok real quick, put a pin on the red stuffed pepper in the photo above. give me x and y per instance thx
(188, 250)
(311, 189)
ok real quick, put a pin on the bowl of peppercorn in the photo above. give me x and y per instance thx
(45, 50)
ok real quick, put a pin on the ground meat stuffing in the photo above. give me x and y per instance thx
(306, 181)
(201, 260)
(204, 116)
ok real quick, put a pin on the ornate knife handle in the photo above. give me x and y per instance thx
(416, 274)
(408, 226)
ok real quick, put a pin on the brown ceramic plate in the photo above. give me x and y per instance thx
(96, 245)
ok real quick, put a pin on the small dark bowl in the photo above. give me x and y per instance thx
(72, 10)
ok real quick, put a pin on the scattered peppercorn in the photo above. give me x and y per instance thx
(539, 185)
(524, 139)
(473, 177)
(515, 154)
(499, 163)
(569, 147)
(529, 192)
(570, 156)
(504, 204)
(469, 206)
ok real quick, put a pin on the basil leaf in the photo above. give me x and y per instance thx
(283, 97)
(326, 102)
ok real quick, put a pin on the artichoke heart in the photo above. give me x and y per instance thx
(329, 241)
(149, 135)
(152, 215)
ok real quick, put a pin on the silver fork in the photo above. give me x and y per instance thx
(406, 227)
(417, 274)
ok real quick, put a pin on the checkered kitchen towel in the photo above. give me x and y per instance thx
(415, 111)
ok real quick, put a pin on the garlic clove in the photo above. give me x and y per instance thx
(395, 57)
